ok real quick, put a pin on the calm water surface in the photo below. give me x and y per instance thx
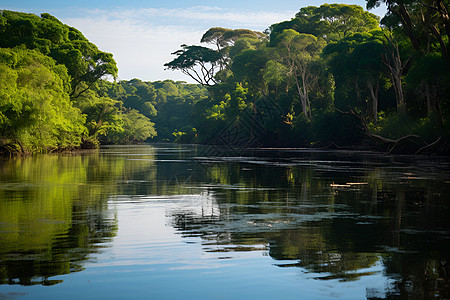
(196, 222)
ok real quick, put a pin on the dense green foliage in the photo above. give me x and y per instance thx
(51, 97)
(66, 45)
(317, 78)
(35, 109)
(171, 105)
(314, 80)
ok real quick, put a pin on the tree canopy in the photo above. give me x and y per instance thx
(50, 95)
(332, 75)
(328, 71)
(35, 109)
(329, 21)
(197, 62)
(85, 63)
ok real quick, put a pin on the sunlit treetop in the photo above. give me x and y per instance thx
(223, 37)
(330, 21)
(84, 61)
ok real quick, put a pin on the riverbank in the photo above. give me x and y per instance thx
(440, 147)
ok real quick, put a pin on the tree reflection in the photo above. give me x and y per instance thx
(330, 223)
(54, 213)
(335, 219)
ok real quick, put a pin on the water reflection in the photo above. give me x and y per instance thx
(334, 217)
(338, 219)
(53, 213)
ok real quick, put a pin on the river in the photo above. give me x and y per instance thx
(199, 222)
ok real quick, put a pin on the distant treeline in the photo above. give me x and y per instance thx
(331, 76)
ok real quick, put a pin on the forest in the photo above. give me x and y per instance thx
(334, 76)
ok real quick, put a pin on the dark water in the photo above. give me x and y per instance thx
(195, 222)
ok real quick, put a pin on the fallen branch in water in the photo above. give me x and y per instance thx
(421, 145)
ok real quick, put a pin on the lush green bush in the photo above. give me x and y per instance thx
(36, 113)
(136, 128)
(187, 135)
(395, 126)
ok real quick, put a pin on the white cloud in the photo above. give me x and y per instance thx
(139, 51)
(253, 20)
(198, 15)
(142, 40)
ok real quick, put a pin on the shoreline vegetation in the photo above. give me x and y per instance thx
(332, 77)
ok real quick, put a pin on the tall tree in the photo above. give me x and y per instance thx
(421, 21)
(430, 79)
(299, 52)
(396, 67)
(356, 61)
(199, 63)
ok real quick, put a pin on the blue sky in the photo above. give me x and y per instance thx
(142, 34)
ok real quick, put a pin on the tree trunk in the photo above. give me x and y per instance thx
(373, 105)
(307, 102)
(442, 9)
(397, 81)
(434, 31)
(357, 91)
(303, 94)
(433, 107)
(405, 19)
(395, 67)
